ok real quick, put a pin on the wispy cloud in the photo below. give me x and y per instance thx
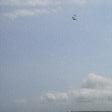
(20, 8)
(24, 12)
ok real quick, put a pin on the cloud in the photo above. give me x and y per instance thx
(55, 96)
(23, 8)
(24, 12)
(94, 94)
(97, 82)
(26, 2)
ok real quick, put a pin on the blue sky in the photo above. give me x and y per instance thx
(43, 49)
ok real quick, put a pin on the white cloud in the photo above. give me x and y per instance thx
(55, 96)
(24, 12)
(18, 8)
(39, 2)
(23, 2)
(97, 82)
(95, 93)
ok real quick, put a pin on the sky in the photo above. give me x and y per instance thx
(48, 62)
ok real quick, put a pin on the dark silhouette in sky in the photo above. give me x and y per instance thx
(74, 17)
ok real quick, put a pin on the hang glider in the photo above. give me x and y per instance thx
(74, 17)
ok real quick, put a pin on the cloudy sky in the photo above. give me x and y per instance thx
(48, 62)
